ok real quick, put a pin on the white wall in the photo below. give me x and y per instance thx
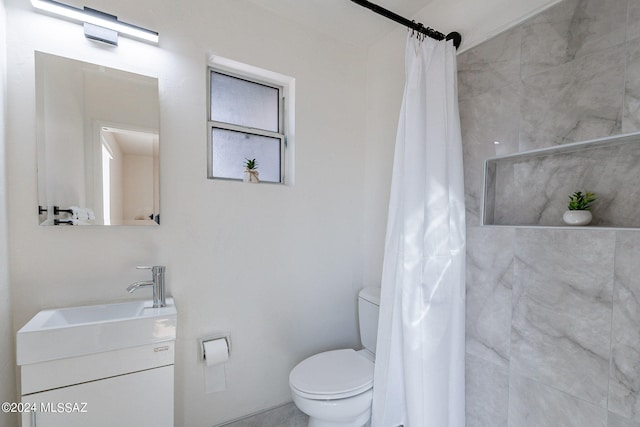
(278, 267)
(60, 106)
(7, 359)
(137, 173)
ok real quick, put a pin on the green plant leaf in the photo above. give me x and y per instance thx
(250, 164)
(579, 201)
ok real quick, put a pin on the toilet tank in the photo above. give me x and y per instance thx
(368, 308)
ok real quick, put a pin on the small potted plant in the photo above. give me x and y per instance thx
(579, 208)
(251, 173)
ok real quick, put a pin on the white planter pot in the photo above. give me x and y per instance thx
(251, 175)
(577, 217)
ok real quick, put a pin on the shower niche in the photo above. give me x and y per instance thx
(532, 188)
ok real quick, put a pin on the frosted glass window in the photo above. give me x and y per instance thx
(244, 103)
(246, 121)
(232, 148)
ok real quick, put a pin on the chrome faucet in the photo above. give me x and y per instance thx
(157, 282)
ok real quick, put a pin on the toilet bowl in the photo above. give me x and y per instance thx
(350, 412)
(335, 388)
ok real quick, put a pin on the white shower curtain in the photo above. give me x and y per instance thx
(419, 369)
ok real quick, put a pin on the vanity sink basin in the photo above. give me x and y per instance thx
(77, 331)
(89, 314)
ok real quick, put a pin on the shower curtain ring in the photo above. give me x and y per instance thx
(421, 32)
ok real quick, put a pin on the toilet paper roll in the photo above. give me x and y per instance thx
(216, 354)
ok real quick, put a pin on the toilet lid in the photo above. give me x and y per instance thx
(333, 374)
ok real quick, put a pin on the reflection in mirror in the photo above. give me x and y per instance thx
(98, 144)
(131, 157)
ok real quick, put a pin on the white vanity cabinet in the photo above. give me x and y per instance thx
(98, 366)
(124, 388)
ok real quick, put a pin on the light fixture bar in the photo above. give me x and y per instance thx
(90, 17)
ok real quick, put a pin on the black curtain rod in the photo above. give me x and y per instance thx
(415, 26)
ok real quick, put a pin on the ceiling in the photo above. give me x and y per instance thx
(475, 20)
(134, 142)
(342, 18)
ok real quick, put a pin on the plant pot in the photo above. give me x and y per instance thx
(251, 175)
(577, 217)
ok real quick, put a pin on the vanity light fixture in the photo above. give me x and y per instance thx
(97, 25)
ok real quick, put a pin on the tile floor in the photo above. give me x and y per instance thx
(283, 416)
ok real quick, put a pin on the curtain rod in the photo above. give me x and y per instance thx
(415, 26)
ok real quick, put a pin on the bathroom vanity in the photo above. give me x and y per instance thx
(102, 365)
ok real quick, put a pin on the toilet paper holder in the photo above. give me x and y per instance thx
(213, 337)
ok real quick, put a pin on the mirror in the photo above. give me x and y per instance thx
(97, 144)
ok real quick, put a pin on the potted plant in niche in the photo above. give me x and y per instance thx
(579, 208)
(251, 173)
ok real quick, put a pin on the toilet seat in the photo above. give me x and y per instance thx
(336, 374)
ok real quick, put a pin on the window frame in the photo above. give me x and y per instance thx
(285, 87)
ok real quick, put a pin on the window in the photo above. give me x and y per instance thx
(246, 120)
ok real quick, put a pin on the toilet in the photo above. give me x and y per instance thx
(335, 388)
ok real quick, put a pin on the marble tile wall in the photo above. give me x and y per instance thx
(553, 315)
(624, 374)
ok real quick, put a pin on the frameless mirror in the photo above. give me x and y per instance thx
(98, 144)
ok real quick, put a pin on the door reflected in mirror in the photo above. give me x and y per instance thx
(131, 157)
(98, 144)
